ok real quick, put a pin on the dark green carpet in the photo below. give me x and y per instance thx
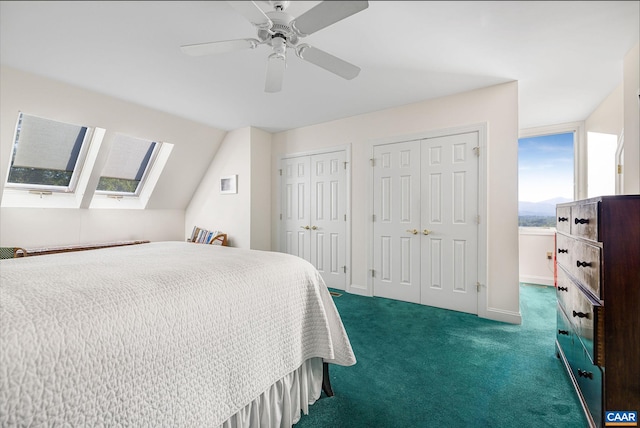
(420, 366)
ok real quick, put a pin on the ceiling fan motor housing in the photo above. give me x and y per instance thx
(280, 28)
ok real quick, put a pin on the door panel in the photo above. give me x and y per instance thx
(328, 217)
(295, 200)
(396, 200)
(450, 207)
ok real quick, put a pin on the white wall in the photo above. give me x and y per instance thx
(535, 266)
(42, 227)
(260, 190)
(631, 90)
(497, 107)
(229, 213)
(620, 111)
(245, 217)
(608, 117)
(164, 217)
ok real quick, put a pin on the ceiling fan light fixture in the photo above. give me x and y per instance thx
(278, 56)
(276, 65)
(279, 44)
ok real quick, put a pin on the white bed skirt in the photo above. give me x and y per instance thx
(280, 405)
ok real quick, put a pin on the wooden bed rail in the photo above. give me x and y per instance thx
(28, 252)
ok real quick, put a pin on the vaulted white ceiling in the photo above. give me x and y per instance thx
(566, 56)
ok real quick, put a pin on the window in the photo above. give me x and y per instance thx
(47, 155)
(545, 177)
(127, 165)
(56, 165)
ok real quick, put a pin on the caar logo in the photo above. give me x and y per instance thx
(621, 419)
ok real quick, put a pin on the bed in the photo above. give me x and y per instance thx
(164, 334)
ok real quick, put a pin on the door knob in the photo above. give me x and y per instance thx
(414, 231)
(426, 232)
(305, 227)
(314, 227)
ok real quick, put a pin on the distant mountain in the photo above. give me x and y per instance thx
(542, 208)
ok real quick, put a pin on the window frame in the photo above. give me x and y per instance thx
(143, 180)
(153, 173)
(579, 157)
(47, 188)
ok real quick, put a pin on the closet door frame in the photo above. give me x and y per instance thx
(347, 154)
(481, 129)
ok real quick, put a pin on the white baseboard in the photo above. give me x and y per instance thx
(539, 280)
(359, 290)
(490, 313)
(503, 316)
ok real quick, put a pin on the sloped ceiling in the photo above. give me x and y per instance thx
(566, 56)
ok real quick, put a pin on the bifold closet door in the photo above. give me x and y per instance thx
(425, 221)
(396, 221)
(296, 204)
(314, 213)
(450, 222)
(328, 217)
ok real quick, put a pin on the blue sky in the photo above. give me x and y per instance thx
(545, 167)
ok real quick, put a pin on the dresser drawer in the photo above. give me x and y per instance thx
(585, 317)
(582, 260)
(564, 334)
(563, 219)
(590, 380)
(564, 290)
(584, 221)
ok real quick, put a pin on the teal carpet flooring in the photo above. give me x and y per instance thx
(420, 366)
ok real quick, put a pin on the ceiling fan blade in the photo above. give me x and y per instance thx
(275, 73)
(325, 14)
(252, 12)
(212, 48)
(327, 61)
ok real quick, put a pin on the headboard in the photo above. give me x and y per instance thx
(69, 248)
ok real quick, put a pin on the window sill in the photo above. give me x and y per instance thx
(545, 231)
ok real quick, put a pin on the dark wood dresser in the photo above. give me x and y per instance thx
(598, 290)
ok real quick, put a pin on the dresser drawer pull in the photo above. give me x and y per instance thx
(580, 314)
(563, 289)
(583, 264)
(584, 373)
(562, 250)
(563, 219)
(581, 221)
(565, 332)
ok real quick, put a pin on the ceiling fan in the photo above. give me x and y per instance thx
(281, 31)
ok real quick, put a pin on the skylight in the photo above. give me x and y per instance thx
(61, 165)
(127, 165)
(47, 154)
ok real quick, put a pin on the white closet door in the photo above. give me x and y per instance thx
(314, 208)
(328, 217)
(396, 224)
(296, 203)
(450, 222)
(425, 230)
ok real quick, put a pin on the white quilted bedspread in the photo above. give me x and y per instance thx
(167, 334)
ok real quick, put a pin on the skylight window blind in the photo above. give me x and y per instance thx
(47, 144)
(128, 158)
